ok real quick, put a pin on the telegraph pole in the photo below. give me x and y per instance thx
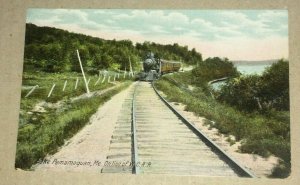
(86, 84)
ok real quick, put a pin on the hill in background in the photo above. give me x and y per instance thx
(257, 62)
(54, 50)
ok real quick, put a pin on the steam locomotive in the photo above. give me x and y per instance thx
(153, 68)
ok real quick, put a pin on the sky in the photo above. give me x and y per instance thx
(235, 34)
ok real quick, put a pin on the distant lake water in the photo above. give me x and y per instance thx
(246, 69)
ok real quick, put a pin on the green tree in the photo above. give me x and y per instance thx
(213, 68)
(242, 92)
(265, 92)
(275, 85)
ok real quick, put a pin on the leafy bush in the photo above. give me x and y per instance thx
(259, 93)
(275, 85)
(241, 92)
(282, 170)
(212, 68)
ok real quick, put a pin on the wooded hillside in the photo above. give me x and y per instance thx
(54, 50)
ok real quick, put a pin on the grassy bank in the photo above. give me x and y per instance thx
(260, 134)
(39, 138)
(45, 82)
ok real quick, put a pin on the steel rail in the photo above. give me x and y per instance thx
(135, 159)
(239, 169)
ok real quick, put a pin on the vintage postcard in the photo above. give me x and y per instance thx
(184, 92)
(149, 92)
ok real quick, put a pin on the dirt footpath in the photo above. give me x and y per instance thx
(88, 149)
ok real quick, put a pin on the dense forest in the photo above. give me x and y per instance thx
(54, 50)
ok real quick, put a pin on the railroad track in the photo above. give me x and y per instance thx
(152, 137)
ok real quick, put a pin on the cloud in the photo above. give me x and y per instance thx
(226, 24)
(271, 15)
(256, 24)
(229, 33)
(204, 25)
(66, 17)
(152, 22)
(247, 48)
(177, 17)
(240, 21)
(239, 48)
